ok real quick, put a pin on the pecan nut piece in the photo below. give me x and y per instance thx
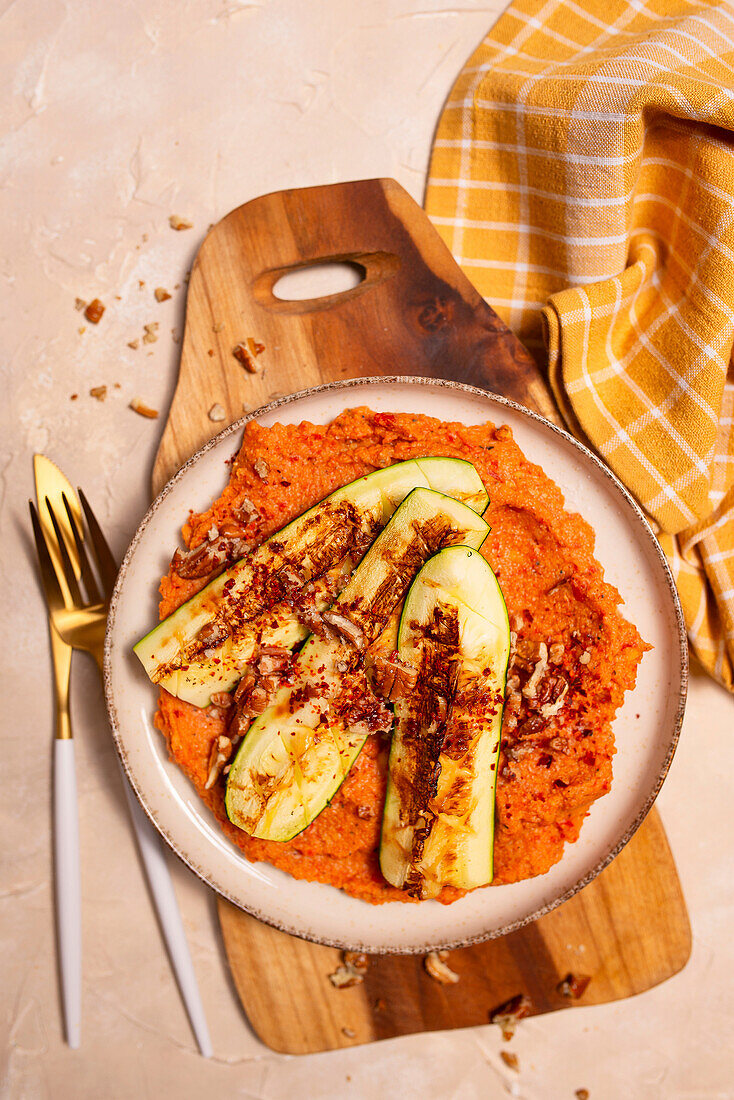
(389, 676)
(437, 967)
(507, 1015)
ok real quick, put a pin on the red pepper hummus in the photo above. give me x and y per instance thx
(574, 655)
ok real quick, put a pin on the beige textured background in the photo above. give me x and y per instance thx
(114, 117)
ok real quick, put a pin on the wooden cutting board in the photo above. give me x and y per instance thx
(414, 312)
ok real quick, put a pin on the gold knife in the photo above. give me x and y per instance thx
(51, 485)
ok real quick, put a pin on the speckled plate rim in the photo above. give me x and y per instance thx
(491, 399)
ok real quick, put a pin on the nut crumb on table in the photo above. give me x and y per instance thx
(179, 223)
(94, 311)
(139, 406)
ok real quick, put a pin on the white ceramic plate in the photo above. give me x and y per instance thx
(646, 728)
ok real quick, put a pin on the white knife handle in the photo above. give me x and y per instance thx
(169, 915)
(68, 887)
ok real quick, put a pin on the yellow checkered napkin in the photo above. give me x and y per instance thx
(583, 176)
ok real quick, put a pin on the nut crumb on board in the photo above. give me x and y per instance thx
(437, 968)
(179, 223)
(349, 1032)
(94, 311)
(139, 406)
(134, 344)
(510, 1059)
(344, 978)
(161, 294)
(150, 333)
(217, 413)
(507, 1015)
(352, 971)
(100, 392)
(573, 985)
(247, 353)
(582, 1094)
(80, 304)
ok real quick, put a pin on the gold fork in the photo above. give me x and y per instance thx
(79, 618)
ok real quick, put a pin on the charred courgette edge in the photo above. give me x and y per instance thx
(203, 646)
(298, 752)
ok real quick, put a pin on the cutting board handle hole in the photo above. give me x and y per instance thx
(319, 281)
(320, 284)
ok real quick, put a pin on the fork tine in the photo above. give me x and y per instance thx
(105, 560)
(68, 568)
(51, 586)
(87, 575)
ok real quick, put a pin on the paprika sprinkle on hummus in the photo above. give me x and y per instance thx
(572, 658)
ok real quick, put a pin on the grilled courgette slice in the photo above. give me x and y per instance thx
(203, 646)
(298, 752)
(438, 821)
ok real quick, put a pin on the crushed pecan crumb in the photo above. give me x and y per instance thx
(531, 688)
(221, 699)
(247, 353)
(555, 653)
(510, 1060)
(582, 1094)
(217, 413)
(134, 344)
(389, 676)
(507, 1015)
(150, 333)
(345, 628)
(220, 753)
(80, 304)
(357, 960)
(179, 223)
(139, 406)
(352, 972)
(344, 977)
(161, 294)
(437, 967)
(94, 311)
(573, 985)
(100, 392)
(261, 468)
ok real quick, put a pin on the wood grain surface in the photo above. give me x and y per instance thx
(414, 312)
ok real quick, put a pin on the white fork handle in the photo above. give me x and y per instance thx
(68, 887)
(169, 915)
